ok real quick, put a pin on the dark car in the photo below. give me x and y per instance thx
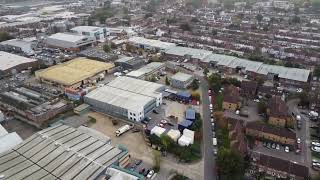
(146, 172)
(142, 171)
(155, 111)
(170, 124)
(135, 130)
(138, 162)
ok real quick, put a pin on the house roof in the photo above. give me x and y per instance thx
(271, 130)
(277, 107)
(249, 86)
(231, 94)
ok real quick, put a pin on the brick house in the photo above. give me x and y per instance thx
(248, 89)
(231, 98)
(278, 112)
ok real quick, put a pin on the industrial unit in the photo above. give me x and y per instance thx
(129, 62)
(18, 46)
(75, 73)
(33, 107)
(120, 103)
(181, 80)
(150, 44)
(138, 86)
(69, 41)
(62, 152)
(12, 64)
(147, 71)
(98, 33)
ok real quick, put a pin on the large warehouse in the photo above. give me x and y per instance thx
(120, 103)
(69, 41)
(98, 33)
(147, 71)
(140, 87)
(75, 73)
(62, 152)
(11, 63)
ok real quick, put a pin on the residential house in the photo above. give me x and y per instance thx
(278, 112)
(249, 89)
(267, 132)
(276, 168)
(231, 98)
(237, 135)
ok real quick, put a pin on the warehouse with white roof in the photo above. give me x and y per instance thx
(98, 33)
(70, 41)
(11, 63)
(120, 103)
(181, 80)
(150, 44)
(139, 86)
(147, 71)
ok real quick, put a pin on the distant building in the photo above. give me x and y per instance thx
(75, 73)
(150, 44)
(267, 132)
(231, 98)
(278, 112)
(98, 33)
(18, 46)
(69, 41)
(8, 140)
(274, 167)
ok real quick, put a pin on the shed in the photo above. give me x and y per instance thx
(184, 141)
(184, 124)
(158, 130)
(190, 114)
(189, 134)
(174, 134)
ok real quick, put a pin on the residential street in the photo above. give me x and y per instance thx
(209, 162)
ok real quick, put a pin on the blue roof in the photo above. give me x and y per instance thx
(184, 94)
(186, 123)
(190, 114)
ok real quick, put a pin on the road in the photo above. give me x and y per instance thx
(209, 161)
(303, 133)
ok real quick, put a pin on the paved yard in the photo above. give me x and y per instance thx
(23, 129)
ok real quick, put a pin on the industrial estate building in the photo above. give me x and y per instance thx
(126, 97)
(18, 46)
(12, 64)
(69, 41)
(62, 152)
(74, 73)
(98, 33)
(150, 44)
(181, 80)
(147, 71)
(35, 107)
(129, 62)
(8, 140)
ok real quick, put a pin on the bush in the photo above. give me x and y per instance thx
(114, 122)
(92, 120)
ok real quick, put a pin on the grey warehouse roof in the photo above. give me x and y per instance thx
(137, 86)
(181, 76)
(71, 37)
(194, 53)
(151, 42)
(59, 152)
(118, 97)
(146, 69)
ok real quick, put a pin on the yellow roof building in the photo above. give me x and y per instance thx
(73, 71)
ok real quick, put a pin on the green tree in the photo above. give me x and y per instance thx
(296, 20)
(194, 84)
(195, 20)
(106, 48)
(304, 99)
(205, 71)
(156, 161)
(166, 141)
(316, 71)
(259, 18)
(215, 82)
(231, 164)
(262, 107)
(167, 81)
(153, 78)
(154, 139)
(4, 36)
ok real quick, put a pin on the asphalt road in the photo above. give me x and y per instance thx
(209, 161)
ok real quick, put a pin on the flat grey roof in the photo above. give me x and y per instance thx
(181, 76)
(137, 86)
(119, 98)
(182, 51)
(58, 153)
(151, 42)
(146, 69)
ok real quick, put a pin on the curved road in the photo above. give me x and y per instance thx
(209, 161)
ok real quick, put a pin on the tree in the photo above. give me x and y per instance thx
(153, 78)
(166, 141)
(214, 32)
(262, 107)
(194, 84)
(106, 48)
(304, 99)
(185, 27)
(154, 139)
(156, 161)
(167, 81)
(296, 20)
(316, 71)
(259, 18)
(148, 15)
(215, 82)
(195, 20)
(4, 36)
(195, 95)
(260, 81)
(230, 164)
(206, 71)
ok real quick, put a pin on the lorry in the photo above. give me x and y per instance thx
(123, 129)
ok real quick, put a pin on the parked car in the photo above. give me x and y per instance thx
(150, 174)
(286, 149)
(155, 111)
(146, 172)
(142, 171)
(135, 130)
(138, 162)
(315, 148)
(268, 145)
(164, 121)
(273, 146)
(315, 143)
(298, 140)
(277, 146)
